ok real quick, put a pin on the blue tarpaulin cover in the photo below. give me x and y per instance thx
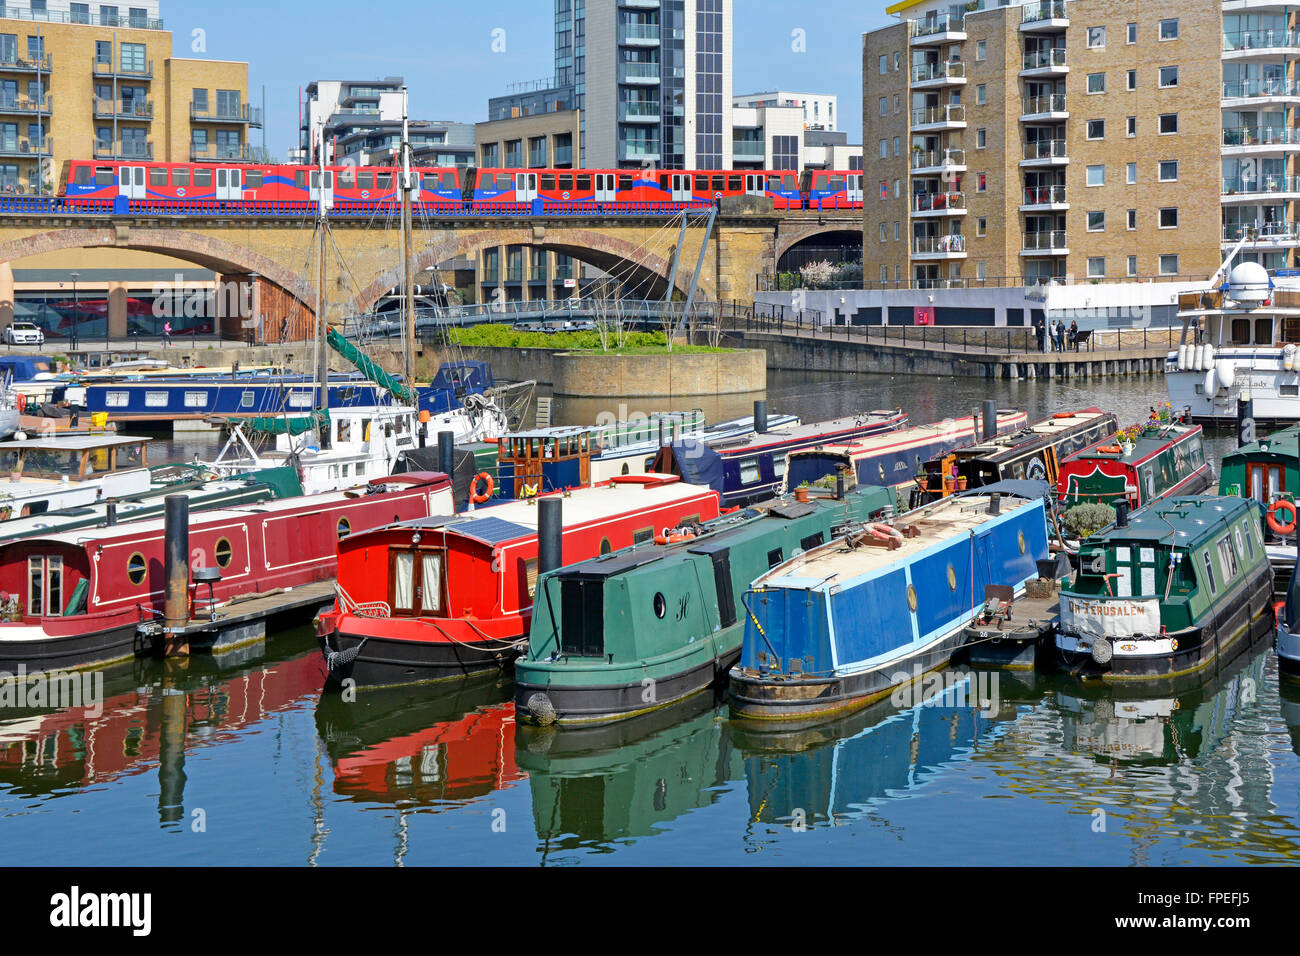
(695, 462)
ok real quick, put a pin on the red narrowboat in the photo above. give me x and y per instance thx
(439, 598)
(78, 598)
(1141, 464)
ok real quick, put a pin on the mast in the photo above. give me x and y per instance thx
(408, 276)
(322, 354)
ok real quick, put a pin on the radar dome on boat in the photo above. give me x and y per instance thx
(1249, 282)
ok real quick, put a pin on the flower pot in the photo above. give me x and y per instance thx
(801, 494)
(959, 483)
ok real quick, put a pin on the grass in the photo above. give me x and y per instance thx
(505, 336)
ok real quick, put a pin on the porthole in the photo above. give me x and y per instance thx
(911, 597)
(1021, 538)
(135, 568)
(223, 552)
(344, 526)
(661, 606)
(605, 546)
(952, 578)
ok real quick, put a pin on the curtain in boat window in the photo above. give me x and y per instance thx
(431, 582)
(403, 581)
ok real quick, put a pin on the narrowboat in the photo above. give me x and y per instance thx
(844, 623)
(1268, 471)
(70, 471)
(1033, 452)
(603, 646)
(1142, 464)
(893, 459)
(438, 598)
(1288, 631)
(79, 598)
(1168, 592)
(748, 470)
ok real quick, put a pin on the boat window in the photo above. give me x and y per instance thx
(196, 399)
(51, 462)
(115, 399)
(1263, 331)
(1227, 558)
(1241, 331)
(643, 535)
(246, 399)
(54, 585)
(155, 399)
(403, 581)
(582, 618)
(778, 466)
(135, 568)
(530, 575)
(343, 527)
(35, 587)
(660, 605)
(1247, 546)
(346, 469)
(431, 581)
(361, 468)
(1209, 572)
(345, 430)
(774, 557)
(223, 552)
(299, 399)
(748, 471)
(605, 546)
(812, 541)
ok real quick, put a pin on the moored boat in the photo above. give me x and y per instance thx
(1288, 631)
(68, 471)
(1268, 471)
(1158, 459)
(844, 623)
(603, 646)
(1167, 593)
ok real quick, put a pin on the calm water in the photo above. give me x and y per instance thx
(226, 762)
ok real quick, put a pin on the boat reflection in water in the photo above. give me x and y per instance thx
(626, 780)
(1290, 693)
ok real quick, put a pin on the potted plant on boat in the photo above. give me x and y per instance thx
(958, 480)
(801, 493)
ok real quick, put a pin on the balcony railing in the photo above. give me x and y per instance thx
(638, 31)
(935, 202)
(563, 155)
(943, 23)
(1049, 103)
(108, 68)
(951, 113)
(241, 113)
(20, 146)
(1260, 136)
(26, 64)
(1252, 89)
(1261, 184)
(1045, 240)
(94, 20)
(26, 104)
(1264, 232)
(125, 150)
(536, 158)
(1045, 149)
(639, 109)
(1044, 59)
(638, 149)
(927, 158)
(220, 152)
(932, 245)
(638, 71)
(943, 70)
(1044, 195)
(124, 109)
(1260, 40)
(1045, 10)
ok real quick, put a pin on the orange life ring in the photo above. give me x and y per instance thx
(1064, 415)
(673, 536)
(474, 494)
(1277, 526)
(883, 532)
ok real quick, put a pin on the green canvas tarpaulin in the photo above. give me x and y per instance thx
(285, 424)
(368, 367)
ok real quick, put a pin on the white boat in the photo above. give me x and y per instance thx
(49, 474)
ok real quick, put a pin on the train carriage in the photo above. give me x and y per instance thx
(834, 189)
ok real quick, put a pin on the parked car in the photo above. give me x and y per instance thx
(24, 333)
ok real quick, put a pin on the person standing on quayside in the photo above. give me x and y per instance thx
(1060, 335)
(1040, 332)
(167, 335)
(1074, 335)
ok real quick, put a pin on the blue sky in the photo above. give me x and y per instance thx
(444, 50)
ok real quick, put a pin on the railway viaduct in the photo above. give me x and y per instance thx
(272, 261)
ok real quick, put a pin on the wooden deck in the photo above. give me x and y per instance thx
(244, 621)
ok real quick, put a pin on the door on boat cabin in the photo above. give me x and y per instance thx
(606, 187)
(525, 187)
(322, 194)
(45, 585)
(584, 459)
(130, 182)
(415, 582)
(1264, 481)
(230, 184)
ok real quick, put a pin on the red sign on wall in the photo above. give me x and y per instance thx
(923, 315)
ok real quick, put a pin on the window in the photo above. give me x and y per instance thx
(1096, 38)
(1096, 267)
(981, 94)
(981, 226)
(1096, 176)
(223, 552)
(1227, 558)
(1132, 266)
(748, 471)
(897, 188)
(136, 568)
(1096, 129)
(1169, 29)
(884, 271)
(897, 102)
(1168, 76)
(981, 270)
(1169, 265)
(898, 230)
(1131, 80)
(36, 587)
(79, 12)
(884, 105)
(1168, 170)
(1169, 217)
(884, 64)
(117, 399)
(981, 138)
(1168, 123)
(1132, 219)
(981, 183)
(131, 57)
(1209, 566)
(884, 231)
(196, 399)
(1131, 174)
(884, 149)
(1096, 82)
(1131, 126)
(981, 50)
(897, 60)
(896, 147)
(1132, 36)
(1097, 221)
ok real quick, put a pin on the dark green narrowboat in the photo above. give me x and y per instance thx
(1268, 471)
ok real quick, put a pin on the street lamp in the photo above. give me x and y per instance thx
(76, 309)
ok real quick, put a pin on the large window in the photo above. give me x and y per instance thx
(131, 58)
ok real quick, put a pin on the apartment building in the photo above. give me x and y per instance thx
(1075, 138)
(84, 80)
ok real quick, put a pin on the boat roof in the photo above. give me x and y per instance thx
(828, 567)
(1183, 521)
(1151, 443)
(874, 444)
(556, 431)
(74, 442)
(1051, 426)
(794, 432)
(1284, 443)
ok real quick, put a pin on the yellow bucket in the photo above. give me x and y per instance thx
(99, 419)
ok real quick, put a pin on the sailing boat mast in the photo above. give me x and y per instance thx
(322, 354)
(408, 275)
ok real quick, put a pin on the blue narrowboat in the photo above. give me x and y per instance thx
(843, 624)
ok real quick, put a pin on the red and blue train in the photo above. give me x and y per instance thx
(182, 187)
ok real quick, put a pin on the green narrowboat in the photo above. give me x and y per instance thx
(638, 629)
(1268, 471)
(1169, 592)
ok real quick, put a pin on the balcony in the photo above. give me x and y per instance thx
(1044, 63)
(537, 159)
(241, 113)
(220, 153)
(647, 73)
(1260, 139)
(1280, 234)
(940, 74)
(26, 64)
(1250, 43)
(1049, 242)
(638, 34)
(25, 105)
(1045, 152)
(934, 118)
(748, 151)
(638, 149)
(129, 150)
(135, 22)
(639, 4)
(1043, 109)
(1045, 16)
(934, 162)
(943, 28)
(1253, 91)
(1044, 199)
(927, 205)
(1255, 188)
(639, 111)
(140, 110)
(939, 247)
(24, 146)
(137, 71)
(563, 156)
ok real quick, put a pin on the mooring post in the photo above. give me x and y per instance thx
(760, 416)
(550, 534)
(1245, 419)
(990, 418)
(176, 567)
(173, 721)
(446, 452)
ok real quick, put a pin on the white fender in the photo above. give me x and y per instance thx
(1288, 357)
(1209, 356)
(1227, 373)
(1182, 355)
(1211, 383)
(1198, 357)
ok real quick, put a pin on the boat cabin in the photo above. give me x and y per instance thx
(544, 460)
(1264, 470)
(74, 458)
(1162, 458)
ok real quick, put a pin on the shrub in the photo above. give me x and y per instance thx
(1086, 519)
(817, 275)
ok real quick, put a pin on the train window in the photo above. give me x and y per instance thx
(566, 182)
(180, 177)
(253, 179)
(504, 182)
(719, 183)
(202, 177)
(366, 180)
(157, 177)
(733, 184)
(300, 179)
(773, 183)
(449, 181)
(103, 175)
(548, 180)
(624, 182)
(837, 183)
(82, 176)
(701, 184)
(583, 182)
(789, 182)
(663, 181)
(384, 180)
(819, 181)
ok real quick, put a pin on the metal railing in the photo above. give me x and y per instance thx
(1260, 135)
(123, 150)
(951, 113)
(638, 31)
(129, 109)
(638, 71)
(1044, 10)
(218, 152)
(938, 245)
(1047, 239)
(26, 63)
(1262, 184)
(768, 282)
(1045, 149)
(639, 109)
(943, 70)
(26, 104)
(1044, 195)
(935, 202)
(1264, 232)
(942, 23)
(928, 158)
(1048, 103)
(1044, 59)
(109, 68)
(1260, 40)
(1253, 89)
(20, 146)
(243, 113)
(91, 19)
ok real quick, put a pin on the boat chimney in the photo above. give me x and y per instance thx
(760, 416)
(975, 424)
(990, 418)
(995, 504)
(110, 513)
(550, 534)
(234, 369)
(446, 452)
(176, 544)
(663, 432)
(839, 485)
(1121, 513)
(1245, 419)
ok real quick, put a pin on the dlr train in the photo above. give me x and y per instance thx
(181, 187)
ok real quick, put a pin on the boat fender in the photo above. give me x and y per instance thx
(1288, 357)
(541, 709)
(1102, 651)
(1211, 382)
(1198, 357)
(476, 496)
(1183, 351)
(1209, 357)
(1227, 373)
(1278, 526)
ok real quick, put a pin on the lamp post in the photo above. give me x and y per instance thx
(76, 309)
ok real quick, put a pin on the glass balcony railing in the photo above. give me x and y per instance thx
(951, 113)
(747, 150)
(19, 146)
(123, 109)
(938, 202)
(141, 69)
(1050, 103)
(638, 149)
(1262, 232)
(1044, 59)
(1044, 195)
(229, 113)
(1233, 185)
(638, 71)
(1044, 10)
(1044, 240)
(639, 109)
(942, 23)
(128, 149)
(930, 158)
(938, 245)
(1260, 136)
(12, 103)
(1252, 89)
(943, 70)
(1260, 40)
(133, 22)
(564, 156)
(638, 31)
(1045, 149)
(26, 64)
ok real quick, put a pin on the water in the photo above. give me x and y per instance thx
(232, 763)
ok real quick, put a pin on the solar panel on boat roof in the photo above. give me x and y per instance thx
(492, 530)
